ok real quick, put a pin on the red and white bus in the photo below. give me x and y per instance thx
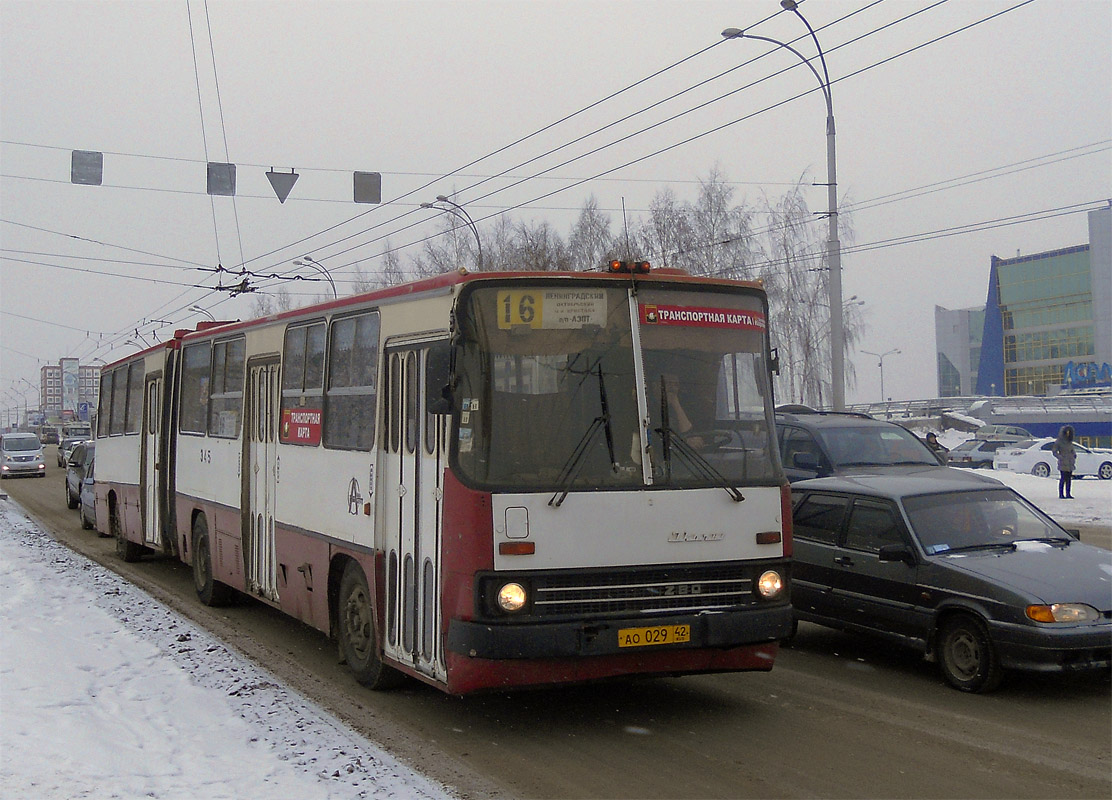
(482, 481)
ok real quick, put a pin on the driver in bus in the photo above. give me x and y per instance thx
(680, 421)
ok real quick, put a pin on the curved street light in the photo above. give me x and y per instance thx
(306, 261)
(204, 311)
(833, 246)
(460, 212)
(880, 364)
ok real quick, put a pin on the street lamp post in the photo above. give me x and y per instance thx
(204, 311)
(306, 261)
(881, 357)
(460, 212)
(833, 246)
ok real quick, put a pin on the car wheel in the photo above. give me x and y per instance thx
(210, 591)
(966, 655)
(71, 501)
(357, 639)
(1105, 471)
(1041, 470)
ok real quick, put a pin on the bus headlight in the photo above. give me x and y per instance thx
(512, 597)
(770, 584)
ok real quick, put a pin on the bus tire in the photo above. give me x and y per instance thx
(356, 628)
(210, 591)
(125, 548)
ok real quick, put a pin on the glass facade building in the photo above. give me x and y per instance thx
(1046, 323)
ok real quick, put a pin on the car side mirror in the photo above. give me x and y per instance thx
(896, 552)
(1075, 533)
(438, 378)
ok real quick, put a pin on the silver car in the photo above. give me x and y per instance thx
(21, 454)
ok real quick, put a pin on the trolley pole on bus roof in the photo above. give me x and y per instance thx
(833, 245)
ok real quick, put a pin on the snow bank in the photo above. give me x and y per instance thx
(106, 693)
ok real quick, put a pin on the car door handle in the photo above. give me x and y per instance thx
(845, 561)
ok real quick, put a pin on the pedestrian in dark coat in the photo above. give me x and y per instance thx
(1066, 454)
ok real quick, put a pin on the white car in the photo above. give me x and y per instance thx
(1034, 456)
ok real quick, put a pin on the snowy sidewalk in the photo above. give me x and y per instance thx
(106, 693)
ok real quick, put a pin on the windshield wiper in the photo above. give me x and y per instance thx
(570, 471)
(695, 461)
(982, 546)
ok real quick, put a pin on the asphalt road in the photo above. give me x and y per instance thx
(839, 716)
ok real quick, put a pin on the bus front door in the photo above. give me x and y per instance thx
(411, 457)
(152, 463)
(259, 476)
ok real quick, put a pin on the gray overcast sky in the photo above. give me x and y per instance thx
(416, 90)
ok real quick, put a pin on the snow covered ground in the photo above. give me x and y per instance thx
(105, 693)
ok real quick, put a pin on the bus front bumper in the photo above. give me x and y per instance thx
(531, 640)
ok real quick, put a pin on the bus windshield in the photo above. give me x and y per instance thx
(595, 386)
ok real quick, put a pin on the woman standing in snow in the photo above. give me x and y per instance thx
(1064, 451)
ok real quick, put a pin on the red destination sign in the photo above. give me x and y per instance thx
(300, 426)
(693, 317)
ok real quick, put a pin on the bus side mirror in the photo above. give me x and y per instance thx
(438, 377)
(774, 360)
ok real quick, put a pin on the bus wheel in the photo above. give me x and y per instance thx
(358, 643)
(125, 549)
(210, 591)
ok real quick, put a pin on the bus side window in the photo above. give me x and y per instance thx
(349, 401)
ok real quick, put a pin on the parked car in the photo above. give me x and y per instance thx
(1002, 433)
(76, 468)
(1034, 456)
(21, 454)
(975, 453)
(88, 501)
(65, 447)
(821, 443)
(955, 565)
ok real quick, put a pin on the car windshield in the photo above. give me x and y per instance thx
(874, 445)
(983, 519)
(21, 443)
(548, 379)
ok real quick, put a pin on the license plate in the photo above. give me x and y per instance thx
(658, 634)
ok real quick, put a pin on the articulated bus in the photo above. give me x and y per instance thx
(482, 481)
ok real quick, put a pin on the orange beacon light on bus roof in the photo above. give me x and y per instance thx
(631, 267)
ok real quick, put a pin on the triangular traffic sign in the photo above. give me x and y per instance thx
(282, 182)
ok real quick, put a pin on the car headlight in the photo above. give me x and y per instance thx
(1063, 612)
(770, 584)
(512, 597)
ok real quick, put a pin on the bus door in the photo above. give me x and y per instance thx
(152, 462)
(259, 479)
(412, 455)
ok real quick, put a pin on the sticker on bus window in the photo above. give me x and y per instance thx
(553, 309)
(300, 426)
(465, 440)
(695, 317)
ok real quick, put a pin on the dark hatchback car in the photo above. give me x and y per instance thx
(975, 454)
(816, 444)
(80, 461)
(956, 565)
